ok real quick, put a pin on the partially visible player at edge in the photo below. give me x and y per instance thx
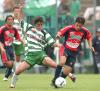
(74, 34)
(37, 40)
(7, 35)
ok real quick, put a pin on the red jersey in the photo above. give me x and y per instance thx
(74, 37)
(7, 35)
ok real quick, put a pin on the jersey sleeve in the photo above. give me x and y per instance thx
(17, 35)
(63, 31)
(49, 39)
(26, 26)
(88, 34)
(0, 30)
(0, 34)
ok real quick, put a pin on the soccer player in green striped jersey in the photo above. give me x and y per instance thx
(37, 40)
(21, 26)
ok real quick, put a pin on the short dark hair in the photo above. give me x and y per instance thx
(8, 17)
(16, 7)
(38, 19)
(80, 20)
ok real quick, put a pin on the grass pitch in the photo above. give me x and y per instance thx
(41, 82)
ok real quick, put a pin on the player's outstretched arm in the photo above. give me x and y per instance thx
(90, 45)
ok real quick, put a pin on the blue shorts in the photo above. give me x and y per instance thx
(9, 52)
(71, 57)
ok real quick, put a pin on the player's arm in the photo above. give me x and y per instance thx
(1, 44)
(2, 47)
(51, 41)
(61, 32)
(17, 36)
(90, 44)
(89, 40)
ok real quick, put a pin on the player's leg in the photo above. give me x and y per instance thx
(5, 61)
(21, 68)
(67, 72)
(49, 62)
(6, 64)
(7, 74)
(17, 61)
(59, 69)
(4, 58)
(62, 60)
(67, 69)
(29, 61)
(10, 57)
(19, 50)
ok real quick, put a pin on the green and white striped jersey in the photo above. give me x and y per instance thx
(38, 40)
(22, 27)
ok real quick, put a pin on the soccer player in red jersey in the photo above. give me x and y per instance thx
(74, 34)
(7, 35)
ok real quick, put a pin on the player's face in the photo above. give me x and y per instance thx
(39, 25)
(78, 26)
(10, 21)
(16, 12)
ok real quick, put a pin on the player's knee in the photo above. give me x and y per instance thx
(45, 60)
(48, 61)
(8, 64)
(18, 71)
(67, 69)
(62, 63)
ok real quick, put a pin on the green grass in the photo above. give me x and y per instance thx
(41, 82)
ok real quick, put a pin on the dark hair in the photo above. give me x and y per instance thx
(80, 20)
(16, 8)
(8, 17)
(38, 19)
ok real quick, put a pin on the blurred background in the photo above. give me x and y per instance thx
(57, 14)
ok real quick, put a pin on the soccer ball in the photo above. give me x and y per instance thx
(60, 82)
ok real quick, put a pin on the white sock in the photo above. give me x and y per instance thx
(14, 79)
